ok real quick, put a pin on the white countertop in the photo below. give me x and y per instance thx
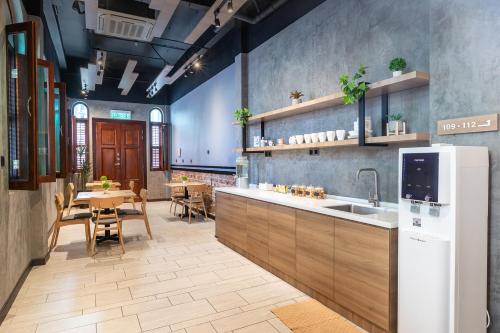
(386, 218)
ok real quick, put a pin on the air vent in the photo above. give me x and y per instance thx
(124, 26)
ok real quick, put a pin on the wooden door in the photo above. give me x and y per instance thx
(119, 151)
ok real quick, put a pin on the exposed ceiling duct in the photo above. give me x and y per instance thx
(268, 11)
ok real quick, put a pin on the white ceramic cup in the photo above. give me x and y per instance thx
(307, 138)
(292, 140)
(300, 139)
(340, 134)
(322, 136)
(314, 137)
(330, 135)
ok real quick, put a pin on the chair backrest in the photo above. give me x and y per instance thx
(197, 191)
(102, 203)
(144, 196)
(59, 200)
(70, 189)
(131, 185)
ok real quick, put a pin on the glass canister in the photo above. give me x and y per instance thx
(242, 172)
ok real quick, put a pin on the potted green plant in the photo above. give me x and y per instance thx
(184, 179)
(105, 186)
(103, 178)
(397, 65)
(295, 97)
(241, 115)
(82, 155)
(395, 122)
(354, 89)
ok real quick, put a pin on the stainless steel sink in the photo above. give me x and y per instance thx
(355, 209)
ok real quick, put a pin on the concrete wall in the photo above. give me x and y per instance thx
(309, 55)
(100, 109)
(455, 40)
(201, 122)
(25, 217)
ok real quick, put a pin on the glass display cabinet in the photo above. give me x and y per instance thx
(45, 122)
(21, 101)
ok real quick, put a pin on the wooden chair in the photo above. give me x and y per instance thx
(70, 191)
(131, 186)
(106, 222)
(80, 218)
(176, 197)
(134, 214)
(195, 199)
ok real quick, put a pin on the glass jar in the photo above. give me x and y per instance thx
(293, 190)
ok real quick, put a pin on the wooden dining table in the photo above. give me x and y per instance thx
(84, 198)
(186, 192)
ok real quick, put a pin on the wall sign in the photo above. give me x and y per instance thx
(119, 114)
(485, 123)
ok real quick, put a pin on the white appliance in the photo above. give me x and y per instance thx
(443, 234)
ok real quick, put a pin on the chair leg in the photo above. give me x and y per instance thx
(171, 203)
(92, 245)
(69, 209)
(55, 235)
(120, 236)
(146, 222)
(205, 209)
(133, 203)
(190, 213)
(87, 233)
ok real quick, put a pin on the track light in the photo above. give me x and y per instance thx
(197, 64)
(216, 19)
(230, 6)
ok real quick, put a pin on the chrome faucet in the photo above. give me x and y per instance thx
(375, 200)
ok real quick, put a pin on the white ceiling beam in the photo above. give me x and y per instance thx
(128, 78)
(91, 14)
(208, 20)
(92, 76)
(167, 9)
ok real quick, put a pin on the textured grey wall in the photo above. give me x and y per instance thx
(309, 55)
(455, 40)
(201, 121)
(465, 63)
(100, 109)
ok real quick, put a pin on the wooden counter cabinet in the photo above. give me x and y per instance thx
(349, 266)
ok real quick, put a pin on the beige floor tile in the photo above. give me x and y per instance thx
(113, 296)
(174, 314)
(205, 319)
(165, 329)
(109, 276)
(84, 329)
(203, 328)
(137, 281)
(52, 297)
(146, 306)
(263, 327)
(160, 287)
(180, 299)
(279, 326)
(118, 304)
(266, 291)
(226, 301)
(210, 291)
(188, 262)
(79, 321)
(204, 278)
(199, 270)
(242, 320)
(128, 324)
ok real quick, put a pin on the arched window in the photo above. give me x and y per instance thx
(156, 116)
(80, 135)
(157, 141)
(80, 111)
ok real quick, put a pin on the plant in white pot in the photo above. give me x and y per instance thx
(184, 179)
(397, 65)
(295, 96)
(395, 123)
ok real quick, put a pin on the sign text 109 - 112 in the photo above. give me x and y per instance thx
(476, 124)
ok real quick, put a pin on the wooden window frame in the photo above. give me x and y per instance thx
(74, 145)
(163, 152)
(63, 130)
(31, 183)
(51, 176)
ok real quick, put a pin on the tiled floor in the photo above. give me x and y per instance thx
(181, 281)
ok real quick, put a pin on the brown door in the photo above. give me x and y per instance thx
(119, 151)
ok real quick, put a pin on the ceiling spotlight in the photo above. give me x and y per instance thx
(99, 62)
(230, 6)
(216, 19)
(197, 64)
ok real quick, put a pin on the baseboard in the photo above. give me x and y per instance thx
(155, 200)
(10, 300)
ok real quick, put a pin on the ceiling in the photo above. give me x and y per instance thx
(80, 44)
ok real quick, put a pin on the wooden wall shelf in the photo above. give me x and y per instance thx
(406, 81)
(394, 139)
